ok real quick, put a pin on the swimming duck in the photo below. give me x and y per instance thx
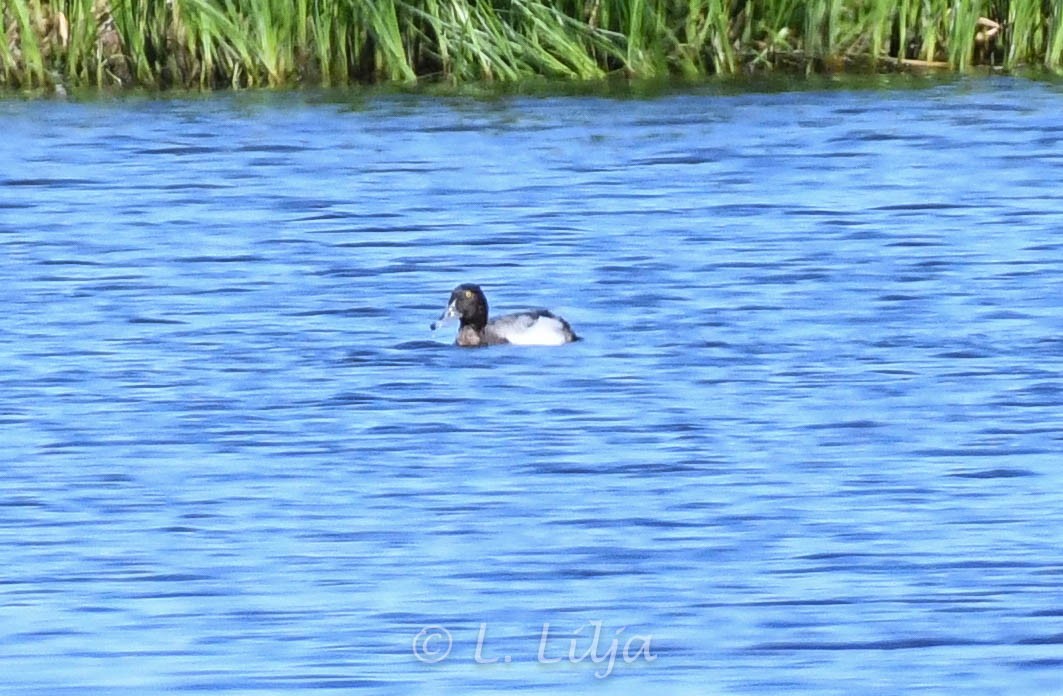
(536, 327)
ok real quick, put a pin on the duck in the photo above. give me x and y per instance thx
(535, 327)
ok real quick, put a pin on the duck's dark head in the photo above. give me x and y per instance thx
(468, 304)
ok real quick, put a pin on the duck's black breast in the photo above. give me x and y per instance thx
(471, 337)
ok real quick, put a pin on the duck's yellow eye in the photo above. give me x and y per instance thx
(468, 294)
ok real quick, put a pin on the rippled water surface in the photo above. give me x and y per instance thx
(810, 442)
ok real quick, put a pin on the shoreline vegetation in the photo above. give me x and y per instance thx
(215, 44)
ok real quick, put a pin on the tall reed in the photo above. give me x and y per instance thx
(1054, 54)
(218, 43)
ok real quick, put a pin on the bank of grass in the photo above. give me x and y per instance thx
(241, 43)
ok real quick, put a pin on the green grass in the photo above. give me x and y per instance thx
(208, 44)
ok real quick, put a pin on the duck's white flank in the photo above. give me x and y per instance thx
(525, 330)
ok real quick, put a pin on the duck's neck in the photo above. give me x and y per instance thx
(476, 321)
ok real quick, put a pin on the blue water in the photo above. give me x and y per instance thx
(810, 442)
